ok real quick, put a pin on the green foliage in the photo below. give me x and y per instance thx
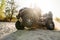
(2, 6)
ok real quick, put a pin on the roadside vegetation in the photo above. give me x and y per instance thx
(8, 11)
(57, 19)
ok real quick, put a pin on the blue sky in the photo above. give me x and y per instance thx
(44, 5)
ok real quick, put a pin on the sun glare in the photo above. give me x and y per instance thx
(44, 5)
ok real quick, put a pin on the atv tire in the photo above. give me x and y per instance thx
(50, 26)
(19, 25)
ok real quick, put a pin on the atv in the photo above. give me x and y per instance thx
(32, 19)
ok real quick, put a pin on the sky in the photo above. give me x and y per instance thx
(44, 5)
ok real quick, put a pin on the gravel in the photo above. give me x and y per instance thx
(6, 28)
(33, 35)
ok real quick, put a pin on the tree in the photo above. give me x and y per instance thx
(2, 6)
(10, 9)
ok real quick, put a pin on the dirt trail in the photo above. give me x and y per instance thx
(8, 28)
(33, 35)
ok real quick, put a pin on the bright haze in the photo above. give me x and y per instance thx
(44, 5)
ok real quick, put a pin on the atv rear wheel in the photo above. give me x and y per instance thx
(50, 26)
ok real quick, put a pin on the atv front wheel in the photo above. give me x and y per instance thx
(19, 25)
